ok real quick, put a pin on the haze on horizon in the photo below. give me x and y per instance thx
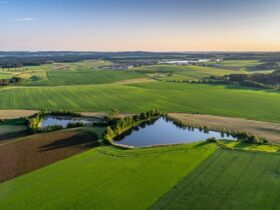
(147, 25)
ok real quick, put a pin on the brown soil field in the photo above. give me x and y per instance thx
(13, 114)
(33, 152)
(270, 131)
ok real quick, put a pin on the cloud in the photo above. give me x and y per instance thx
(24, 19)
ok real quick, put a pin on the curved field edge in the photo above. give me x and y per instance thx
(128, 179)
(231, 101)
(228, 180)
(26, 154)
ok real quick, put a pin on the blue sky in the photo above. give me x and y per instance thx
(154, 25)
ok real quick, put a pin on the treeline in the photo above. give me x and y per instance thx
(269, 81)
(265, 66)
(126, 123)
(13, 80)
(35, 121)
(242, 136)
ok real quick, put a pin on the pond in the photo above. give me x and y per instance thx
(65, 120)
(163, 131)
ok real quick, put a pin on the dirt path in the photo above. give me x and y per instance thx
(268, 130)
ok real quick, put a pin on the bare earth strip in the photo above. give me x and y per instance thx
(132, 81)
(268, 130)
(12, 114)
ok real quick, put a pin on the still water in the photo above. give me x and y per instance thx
(65, 120)
(164, 131)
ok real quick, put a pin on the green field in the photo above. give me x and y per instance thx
(105, 178)
(236, 64)
(232, 101)
(184, 72)
(229, 180)
(83, 77)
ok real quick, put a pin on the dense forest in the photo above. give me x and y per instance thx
(271, 80)
(18, 59)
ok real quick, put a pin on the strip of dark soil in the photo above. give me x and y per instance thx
(33, 152)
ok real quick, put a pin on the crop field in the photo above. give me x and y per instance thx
(106, 178)
(57, 78)
(228, 180)
(80, 73)
(236, 64)
(162, 72)
(232, 101)
(74, 169)
(267, 130)
(29, 153)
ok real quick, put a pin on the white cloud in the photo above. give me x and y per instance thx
(24, 19)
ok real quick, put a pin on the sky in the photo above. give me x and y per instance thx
(144, 25)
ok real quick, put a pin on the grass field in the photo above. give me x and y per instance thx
(58, 78)
(232, 101)
(229, 180)
(105, 178)
(184, 72)
(236, 64)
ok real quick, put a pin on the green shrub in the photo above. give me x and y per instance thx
(121, 125)
(75, 125)
(53, 128)
(212, 140)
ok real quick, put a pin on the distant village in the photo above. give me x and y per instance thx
(126, 65)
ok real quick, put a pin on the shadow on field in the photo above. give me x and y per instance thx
(83, 140)
(272, 130)
(4, 138)
(201, 144)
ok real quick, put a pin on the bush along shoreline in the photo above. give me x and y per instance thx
(124, 124)
(35, 122)
(241, 136)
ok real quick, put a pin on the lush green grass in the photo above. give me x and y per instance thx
(229, 180)
(237, 64)
(57, 78)
(105, 178)
(250, 147)
(80, 73)
(169, 97)
(184, 72)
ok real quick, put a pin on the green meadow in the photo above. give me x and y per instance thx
(105, 178)
(175, 72)
(228, 180)
(232, 101)
(225, 175)
(191, 176)
(58, 78)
